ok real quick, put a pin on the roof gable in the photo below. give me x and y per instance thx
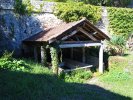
(67, 29)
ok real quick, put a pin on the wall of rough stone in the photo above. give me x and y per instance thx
(14, 29)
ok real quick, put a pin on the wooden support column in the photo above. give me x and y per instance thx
(35, 54)
(54, 59)
(71, 53)
(83, 56)
(101, 59)
(43, 56)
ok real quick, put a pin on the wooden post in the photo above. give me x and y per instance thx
(101, 59)
(71, 53)
(83, 56)
(54, 59)
(35, 54)
(43, 56)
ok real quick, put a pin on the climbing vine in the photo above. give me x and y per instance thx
(121, 21)
(54, 57)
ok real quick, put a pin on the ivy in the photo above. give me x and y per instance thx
(121, 21)
(54, 57)
(72, 11)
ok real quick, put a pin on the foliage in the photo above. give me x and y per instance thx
(54, 57)
(121, 21)
(93, 2)
(116, 75)
(116, 45)
(59, 0)
(39, 83)
(69, 12)
(23, 7)
(79, 76)
(19, 7)
(117, 3)
(116, 72)
(8, 63)
(115, 61)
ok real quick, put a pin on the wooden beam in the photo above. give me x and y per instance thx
(94, 33)
(71, 34)
(71, 53)
(97, 30)
(79, 45)
(88, 34)
(83, 56)
(78, 42)
(101, 59)
(43, 56)
(35, 54)
(98, 36)
(88, 29)
(72, 64)
(68, 70)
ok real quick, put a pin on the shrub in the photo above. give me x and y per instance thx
(115, 61)
(116, 46)
(23, 7)
(121, 21)
(78, 76)
(69, 12)
(9, 63)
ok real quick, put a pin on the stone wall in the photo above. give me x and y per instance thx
(14, 29)
(6, 4)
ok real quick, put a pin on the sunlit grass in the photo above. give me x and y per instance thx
(119, 79)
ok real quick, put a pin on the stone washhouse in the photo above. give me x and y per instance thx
(67, 36)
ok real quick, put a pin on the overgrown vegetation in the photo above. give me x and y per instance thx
(23, 7)
(69, 12)
(116, 46)
(121, 21)
(39, 82)
(54, 57)
(9, 63)
(79, 76)
(116, 3)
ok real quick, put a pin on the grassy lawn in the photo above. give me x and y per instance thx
(38, 83)
(120, 77)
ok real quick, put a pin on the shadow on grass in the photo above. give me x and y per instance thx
(28, 86)
(125, 55)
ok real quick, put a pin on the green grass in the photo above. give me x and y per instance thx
(38, 83)
(120, 77)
